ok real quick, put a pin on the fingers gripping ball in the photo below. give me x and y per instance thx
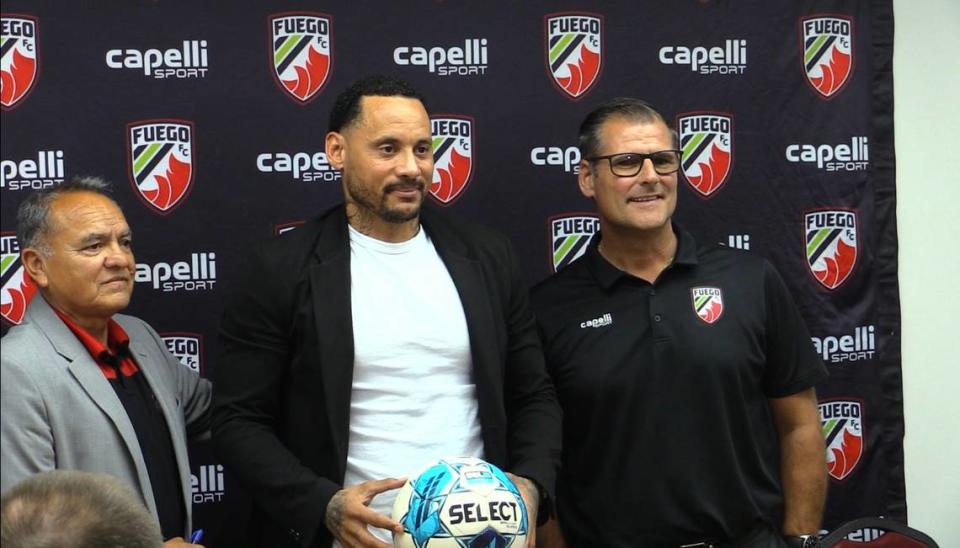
(460, 502)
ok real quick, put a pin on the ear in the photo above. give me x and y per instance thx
(586, 179)
(34, 262)
(336, 149)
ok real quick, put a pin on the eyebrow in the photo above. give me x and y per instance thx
(94, 237)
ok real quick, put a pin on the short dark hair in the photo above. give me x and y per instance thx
(619, 107)
(346, 108)
(33, 215)
(73, 509)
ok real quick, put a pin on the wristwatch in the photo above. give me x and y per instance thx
(803, 541)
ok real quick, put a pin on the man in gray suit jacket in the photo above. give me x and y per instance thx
(83, 387)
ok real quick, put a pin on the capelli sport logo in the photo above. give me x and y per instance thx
(20, 62)
(706, 139)
(160, 159)
(18, 287)
(573, 44)
(301, 53)
(827, 45)
(453, 156)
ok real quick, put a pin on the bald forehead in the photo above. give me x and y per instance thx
(76, 206)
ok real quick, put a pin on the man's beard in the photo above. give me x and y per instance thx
(370, 202)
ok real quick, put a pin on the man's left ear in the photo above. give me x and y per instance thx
(335, 148)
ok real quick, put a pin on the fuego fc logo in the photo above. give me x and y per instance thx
(453, 156)
(160, 158)
(842, 424)
(18, 288)
(301, 53)
(19, 62)
(706, 139)
(574, 51)
(831, 240)
(827, 52)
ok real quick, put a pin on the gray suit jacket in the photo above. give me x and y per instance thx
(58, 411)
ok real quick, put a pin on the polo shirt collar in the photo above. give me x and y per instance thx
(607, 274)
(117, 339)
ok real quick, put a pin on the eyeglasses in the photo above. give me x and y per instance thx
(629, 164)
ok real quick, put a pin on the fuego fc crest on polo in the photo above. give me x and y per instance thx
(707, 303)
(160, 158)
(831, 239)
(301, 53)
(706, 139)
(574, 51)
(827, 52)
(842, 423)
(18, 288)
(570, 235)
(18, 64)
(453, 156)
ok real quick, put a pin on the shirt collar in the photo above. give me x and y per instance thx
(607, 274)
(117, 339)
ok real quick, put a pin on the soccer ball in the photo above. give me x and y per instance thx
(460, 502)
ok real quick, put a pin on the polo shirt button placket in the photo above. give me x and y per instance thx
(656, 317)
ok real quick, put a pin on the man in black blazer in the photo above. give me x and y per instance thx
(322, 388)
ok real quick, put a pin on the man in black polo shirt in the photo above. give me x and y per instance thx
(85, 388)
(685, 371)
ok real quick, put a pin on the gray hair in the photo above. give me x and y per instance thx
(33, 215)
(620, 107)
(73, 509)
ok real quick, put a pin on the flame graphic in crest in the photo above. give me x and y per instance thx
(841, 461)
(20, 295)
(711, 312)
(453, 179)
(838, 267)
(583, 74)
(309, 77)
(15, 83)
(713, 172)
(170, 186)
(833, 74)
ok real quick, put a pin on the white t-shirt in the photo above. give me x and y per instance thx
(413, 398)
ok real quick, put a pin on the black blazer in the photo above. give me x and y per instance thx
(285, 367)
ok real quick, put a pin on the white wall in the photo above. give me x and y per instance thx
(927, 124)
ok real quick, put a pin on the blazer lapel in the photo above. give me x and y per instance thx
(91, 379)
(330, 290)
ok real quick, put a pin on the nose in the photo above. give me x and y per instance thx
(118, 256)
(647, 172)
(407, 165)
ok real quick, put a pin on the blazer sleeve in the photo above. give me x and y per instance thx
(26, 438)
(255, 351)
(533, 411)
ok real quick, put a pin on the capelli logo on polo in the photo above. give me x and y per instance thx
(188, 61)
(602, 321)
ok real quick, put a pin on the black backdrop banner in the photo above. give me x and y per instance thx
(210, 121)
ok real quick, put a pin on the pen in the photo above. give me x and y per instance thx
(196, 536)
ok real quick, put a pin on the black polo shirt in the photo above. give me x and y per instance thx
(667, 434)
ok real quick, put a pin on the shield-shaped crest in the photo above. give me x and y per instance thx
(18, 287)
(827, 52)
(160, 159)
(707, 303)
(842, 423)
(831, 245)
(186, 347)
(706, 139)
(301, 53)
(453, 155)
(19, 63)
(570, 235)
(574, 51)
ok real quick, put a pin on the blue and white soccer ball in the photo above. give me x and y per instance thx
(460, 502)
